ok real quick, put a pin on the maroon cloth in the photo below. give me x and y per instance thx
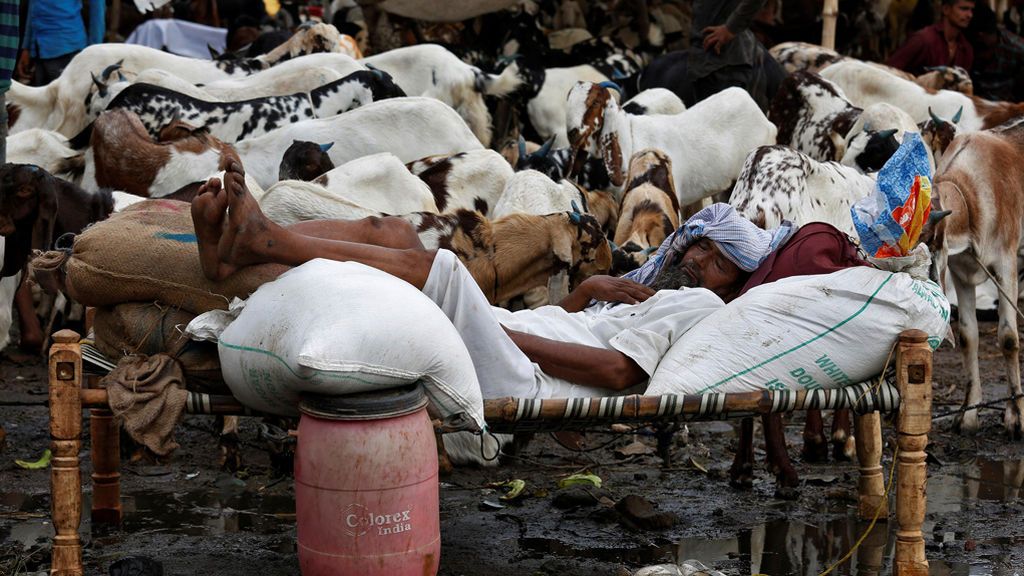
(927, 47)
(816, 248)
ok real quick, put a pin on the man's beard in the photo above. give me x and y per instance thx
(674, 277)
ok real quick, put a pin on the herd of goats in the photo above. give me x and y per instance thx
(604, 174)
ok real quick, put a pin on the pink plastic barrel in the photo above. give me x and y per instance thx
(366, 491)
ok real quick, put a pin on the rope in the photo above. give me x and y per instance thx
(878, 511)
(976, 406)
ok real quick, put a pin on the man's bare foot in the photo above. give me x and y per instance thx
(248, 236)
(209, 209)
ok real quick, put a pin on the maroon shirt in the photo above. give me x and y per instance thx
(816, 248)
(928, 47)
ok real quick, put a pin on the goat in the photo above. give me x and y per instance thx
(937, 134)
(865, 85)
(649, 211)
(778, 183)
(409, 128)
(981, 179)
(35, 209)
(432, 71)
(124, 157)
(812, 116)
(45, 148)
(60, 105)
(357, 89)
(654, 101)
(304, 161)
(373, 185)
(512, 255)
(707, 143)
(804, 57)
(228, 121)
(468, 180)
(875, 136)
(546, 106)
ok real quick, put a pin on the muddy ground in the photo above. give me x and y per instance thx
(195, 519)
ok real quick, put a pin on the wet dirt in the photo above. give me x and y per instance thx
(195, 519)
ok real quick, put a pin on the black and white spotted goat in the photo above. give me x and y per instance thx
(234, 121)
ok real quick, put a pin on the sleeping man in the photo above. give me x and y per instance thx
(607, 336)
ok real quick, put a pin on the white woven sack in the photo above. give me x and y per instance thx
(803, 333)
(337, 328)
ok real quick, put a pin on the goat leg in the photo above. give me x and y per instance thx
(786, 479)
(815, 445)
(741, 473)
(844, 447)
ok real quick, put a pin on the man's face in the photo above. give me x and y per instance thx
(959, 14)
(702, 266)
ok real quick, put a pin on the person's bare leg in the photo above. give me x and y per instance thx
(249, 237)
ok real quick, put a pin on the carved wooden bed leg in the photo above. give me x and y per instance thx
(871, 486)
(65, 372)
(104, 434)
(914, 375)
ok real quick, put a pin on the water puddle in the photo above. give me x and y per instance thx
(780, 547)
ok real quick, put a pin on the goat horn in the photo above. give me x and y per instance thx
(937, 215)
(613, 246)
(574, 217)
(99, 84)
(105, 75)
(956, 117)
(575, 207)
(326, 147)
(935, 118)
(522, 146)
(213, 51)
(546, 148)
(650, 249)
(121, 77)
(608, 84)
(887, 133)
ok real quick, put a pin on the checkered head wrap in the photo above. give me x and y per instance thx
(739, 239)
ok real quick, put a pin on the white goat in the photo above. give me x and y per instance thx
(879, 117)
(654, 101)
(431, 70)
(530, 192)
(409, 128)
(865, 85)
(548, 111)
(778, 183)
(707, 144)
(471, 180)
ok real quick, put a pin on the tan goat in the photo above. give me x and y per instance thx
(981, 179)
(516, 253)
(649, 210)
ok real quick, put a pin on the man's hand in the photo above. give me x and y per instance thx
(716, 37)
(23, 69)
(607, 289)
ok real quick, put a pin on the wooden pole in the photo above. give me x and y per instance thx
(914, 376)
(65, 372)
(829, 13)
(871, 486)
(105, 441)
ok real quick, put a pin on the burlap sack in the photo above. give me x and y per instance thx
(148, 253)
(149, 329)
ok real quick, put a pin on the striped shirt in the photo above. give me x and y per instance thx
(8, 41)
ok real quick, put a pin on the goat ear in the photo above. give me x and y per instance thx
(46, 219)
(611, 153)
(956, 117)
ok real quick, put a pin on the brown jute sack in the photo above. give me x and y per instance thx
(152, 328)
(148, 253)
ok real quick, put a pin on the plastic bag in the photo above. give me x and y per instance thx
(889, 222)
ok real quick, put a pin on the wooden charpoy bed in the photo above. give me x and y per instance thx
(910, 397)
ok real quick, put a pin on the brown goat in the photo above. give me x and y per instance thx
(124, 157)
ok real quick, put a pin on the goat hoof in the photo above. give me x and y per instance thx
(815, 448)
(230, 455)
(787, 492)
(844, 449)
(741, 477)
(1013, 423)
(967, 423)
